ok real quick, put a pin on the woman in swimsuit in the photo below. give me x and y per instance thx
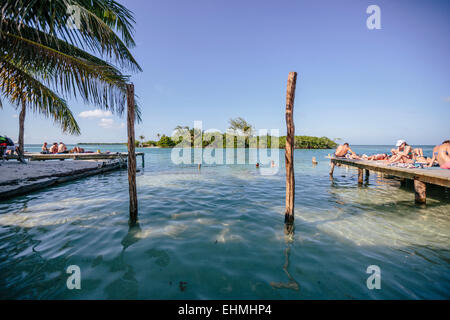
(441, 154)
(402, 154)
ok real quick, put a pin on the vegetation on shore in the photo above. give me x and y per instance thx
(301, 142)
(101, 143)
(240, 135)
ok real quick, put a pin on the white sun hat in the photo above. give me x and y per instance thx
(400, 142)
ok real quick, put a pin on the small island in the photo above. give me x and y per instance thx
(239, 130)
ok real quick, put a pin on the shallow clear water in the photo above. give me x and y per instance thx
(219, 234)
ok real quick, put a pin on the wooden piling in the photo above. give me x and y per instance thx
(403, 182)
(289, 149)
(420, 190)
(332, 168)
(360, 175)
(366, 174)
(421, 177)
(131, 154)
(22, 114)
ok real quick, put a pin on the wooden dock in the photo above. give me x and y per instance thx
(80, 156)
(421, 177)
(26, 178)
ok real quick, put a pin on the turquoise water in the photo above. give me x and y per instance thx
(219, 234)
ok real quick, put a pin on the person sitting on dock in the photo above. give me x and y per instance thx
(62, 148)
(54, 148)
(403, 153)
(44, 149)
(441, 153)
(343, 149)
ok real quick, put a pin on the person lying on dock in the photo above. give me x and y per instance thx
(62, 148)
(441, 153)
(342, 151)
(424, 160)
(380, 156)
(77, 150)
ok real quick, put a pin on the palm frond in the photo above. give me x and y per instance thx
(16, 84)
(94, 26)
(100, 84)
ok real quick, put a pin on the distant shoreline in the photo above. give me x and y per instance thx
(101, 143)
(124, 143)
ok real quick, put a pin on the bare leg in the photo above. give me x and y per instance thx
(418, 151)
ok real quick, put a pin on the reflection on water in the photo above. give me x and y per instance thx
(219, 233)
(289, 231)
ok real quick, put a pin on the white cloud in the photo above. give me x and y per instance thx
(15, 116)
(110, 124)
(447, 99)
(96, 113)
(106, 123)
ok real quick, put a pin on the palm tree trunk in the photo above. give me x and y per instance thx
(21, 125)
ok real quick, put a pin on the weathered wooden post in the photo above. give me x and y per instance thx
(360, 175)
(420, 189)
(21, 126)
(366, 174)
(332, 164)
(289, 149)
(131, 154)
(403, 182)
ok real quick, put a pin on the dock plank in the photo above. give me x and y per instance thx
(439, 177)
(77, 156)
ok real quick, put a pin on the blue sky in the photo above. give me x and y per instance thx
(211, 60)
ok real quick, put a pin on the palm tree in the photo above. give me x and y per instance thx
(239, 125)
(158, 135)
(142, 137)
(43, 60)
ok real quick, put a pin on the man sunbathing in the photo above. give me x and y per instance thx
(343, 149)
(441, 153)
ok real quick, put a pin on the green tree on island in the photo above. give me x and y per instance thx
(240, 126)
(44, 59)
(165, 142)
